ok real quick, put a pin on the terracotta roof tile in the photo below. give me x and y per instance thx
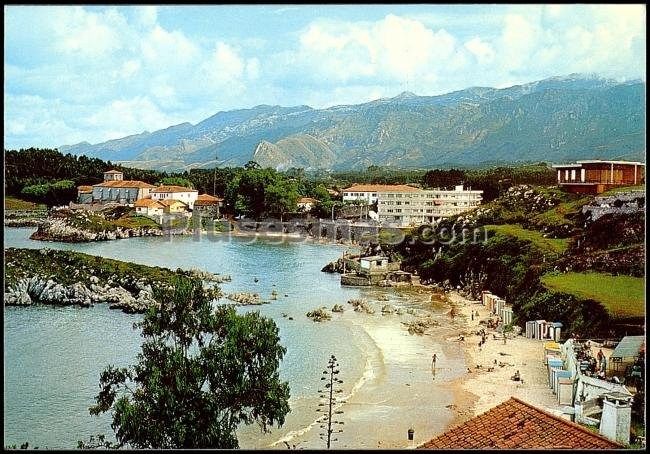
(169, 202)
(84, 188)
(124, 184)
(516, 424)
(206, 199)
(149, 203)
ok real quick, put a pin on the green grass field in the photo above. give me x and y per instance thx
(552, 245)
(640, 187)
(558, 214)
(12, 203)
(622, 296)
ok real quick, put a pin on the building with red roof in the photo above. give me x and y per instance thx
(514, 424)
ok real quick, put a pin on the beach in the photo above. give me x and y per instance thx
(486, 387)
(400, 390)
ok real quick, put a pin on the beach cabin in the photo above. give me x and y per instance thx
(626, 352)
(375, 263)
(492, 302)
(507, 315)
(543, 330)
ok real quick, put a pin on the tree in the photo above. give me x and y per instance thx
(177, 181)
(201, 373)
(280, 197)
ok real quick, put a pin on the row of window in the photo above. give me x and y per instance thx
(358, 194)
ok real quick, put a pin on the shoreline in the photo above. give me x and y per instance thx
(483, 389)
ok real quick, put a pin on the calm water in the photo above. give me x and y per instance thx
(53, 356)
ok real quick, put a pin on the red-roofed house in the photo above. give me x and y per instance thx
(168, 192)
(514, 424)
(208, 204)
(306, 203)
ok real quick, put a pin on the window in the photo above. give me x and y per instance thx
(566, 175)
(573, 174)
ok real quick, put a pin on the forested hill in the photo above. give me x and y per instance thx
(556, 119)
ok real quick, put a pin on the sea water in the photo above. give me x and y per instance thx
(53, 356)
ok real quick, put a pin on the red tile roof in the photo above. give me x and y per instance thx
(306, 200)
(149, 203)
(170, 202)
(84, 189)
(514, 424)
(171, 188)
(206, 199)
(381, 188)
(125, 184)
(113, 171)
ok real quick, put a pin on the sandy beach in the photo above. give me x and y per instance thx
(491, 384)
(399, 389)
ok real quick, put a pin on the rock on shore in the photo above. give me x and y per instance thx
(39, 290)
(58, 229)
(63, 278)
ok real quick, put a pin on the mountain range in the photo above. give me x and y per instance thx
(557, 119)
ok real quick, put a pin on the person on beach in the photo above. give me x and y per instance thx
(433, 362)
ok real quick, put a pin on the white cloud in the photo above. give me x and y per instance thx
(88, 73)
(147, 15)
(481, 50)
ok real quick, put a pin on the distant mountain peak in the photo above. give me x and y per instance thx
(406, 95)
(563, 117)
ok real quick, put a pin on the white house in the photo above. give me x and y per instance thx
(306, 203)
(168, 192)
(369, 193)
(149, 207)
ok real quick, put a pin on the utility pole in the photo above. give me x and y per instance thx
(214, 175)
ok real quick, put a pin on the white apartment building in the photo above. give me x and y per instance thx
(403, 209)
(169, 192)
(368, 193)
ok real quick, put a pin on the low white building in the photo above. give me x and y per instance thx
(306, 204)
(369, 193)
(149, 207)
(169, 192)
(409, 208)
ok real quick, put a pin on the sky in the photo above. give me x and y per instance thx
(91, 73)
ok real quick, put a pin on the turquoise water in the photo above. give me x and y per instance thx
(53, 356)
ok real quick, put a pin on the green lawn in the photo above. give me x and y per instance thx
(552, 245)
(640, 187)
(622, 296)
(558, 214)
(12, 203)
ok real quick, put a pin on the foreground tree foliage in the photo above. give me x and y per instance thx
(201, 373)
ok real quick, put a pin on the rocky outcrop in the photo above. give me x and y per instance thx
(319, 315)
(41, 290)
(360, 305)
(23, 222)
(622, 203)
(210, 277)
(63, 278)
(246, 299)
(59, 229)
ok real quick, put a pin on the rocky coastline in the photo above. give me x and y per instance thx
(64, 278)
(59, 229)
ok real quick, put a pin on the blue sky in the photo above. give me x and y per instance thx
(89, 73)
